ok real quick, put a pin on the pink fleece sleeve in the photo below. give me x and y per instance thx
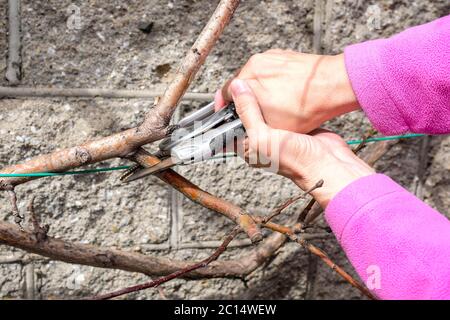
(399, 246)
(403, 83)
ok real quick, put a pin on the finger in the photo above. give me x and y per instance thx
(247, 105)
(226, 91)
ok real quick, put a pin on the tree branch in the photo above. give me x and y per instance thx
(202, 264)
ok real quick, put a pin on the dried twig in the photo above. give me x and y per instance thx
(193, 61)
(18, 92)
(324, 257)
(30, 290)
(207, 200)
(221, 249)
(14, 68)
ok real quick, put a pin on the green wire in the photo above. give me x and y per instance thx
(406, 136)
(53, 174)
(88, 171)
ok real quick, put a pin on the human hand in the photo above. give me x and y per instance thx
(296, 91)
(305, 159)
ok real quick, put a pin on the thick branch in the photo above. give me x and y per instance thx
(155, 123)
(57, 249)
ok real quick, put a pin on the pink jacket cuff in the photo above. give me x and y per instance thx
(354, 197)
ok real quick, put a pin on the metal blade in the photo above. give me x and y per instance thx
(163, 165)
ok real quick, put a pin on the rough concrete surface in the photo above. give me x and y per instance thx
(108, 50)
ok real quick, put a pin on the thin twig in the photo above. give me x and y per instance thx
(369, 134)
(39, 231)
(192, 62)
(30, 288)
(308, 208)
(419, 178)
(277, 211)
(221, 249)
(19, 92)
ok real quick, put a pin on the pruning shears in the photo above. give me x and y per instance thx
(197, 137)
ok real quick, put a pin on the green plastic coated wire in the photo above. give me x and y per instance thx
(97, 170)
(54, 174)
(375, 139)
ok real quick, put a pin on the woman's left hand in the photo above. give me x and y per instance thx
(304, 158)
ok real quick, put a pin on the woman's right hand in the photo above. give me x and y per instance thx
(296, 91)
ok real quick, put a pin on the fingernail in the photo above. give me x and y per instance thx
(219, 103)
(239, 86)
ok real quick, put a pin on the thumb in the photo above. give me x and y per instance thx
(247, 106)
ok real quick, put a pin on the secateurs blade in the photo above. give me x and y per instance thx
(197, 137)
